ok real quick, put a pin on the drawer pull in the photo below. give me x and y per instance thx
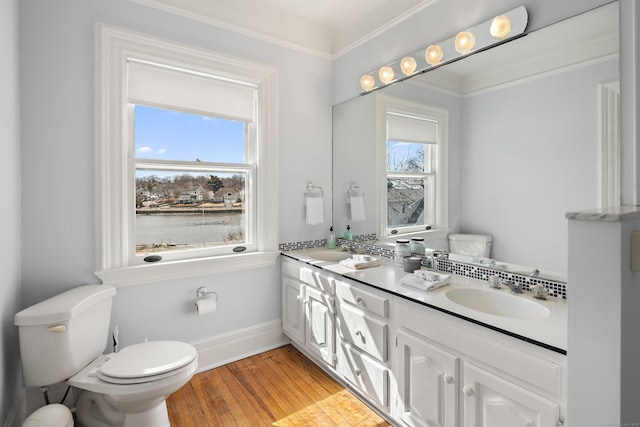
(448, 379)
(359, 301)
(468, 391)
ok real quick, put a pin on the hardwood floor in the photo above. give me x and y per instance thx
(280, 387)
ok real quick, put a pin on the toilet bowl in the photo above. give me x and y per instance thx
(130, 388)
(63, 338)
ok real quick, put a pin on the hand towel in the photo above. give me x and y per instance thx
(359, 265)
(315, 214)
(426, 284)
(357, 208)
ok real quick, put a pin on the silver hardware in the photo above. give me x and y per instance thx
(516, 288)
(203, 292)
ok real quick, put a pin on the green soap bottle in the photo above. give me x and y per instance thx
(347, 234)
(331, 240)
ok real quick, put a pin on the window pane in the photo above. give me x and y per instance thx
(180, 210)
(405, 156)
(173, 135)
(406, 202)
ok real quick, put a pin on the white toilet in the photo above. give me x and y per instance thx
(475, 245)
(63, 337)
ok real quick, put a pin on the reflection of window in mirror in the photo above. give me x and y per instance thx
(413, 183)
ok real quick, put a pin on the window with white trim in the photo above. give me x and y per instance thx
(185, 160)
(413, 178)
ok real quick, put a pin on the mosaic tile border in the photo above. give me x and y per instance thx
(362, 244)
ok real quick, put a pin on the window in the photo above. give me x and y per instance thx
(414, 180)
(185, 159)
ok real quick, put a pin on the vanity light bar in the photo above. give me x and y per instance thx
(494, 31)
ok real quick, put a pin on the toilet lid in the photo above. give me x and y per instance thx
(145, 360)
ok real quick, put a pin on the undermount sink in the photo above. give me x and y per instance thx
(498, 303)
(329, 255)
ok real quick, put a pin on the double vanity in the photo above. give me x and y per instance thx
(464, 354)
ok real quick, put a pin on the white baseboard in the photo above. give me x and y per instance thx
(225, 348)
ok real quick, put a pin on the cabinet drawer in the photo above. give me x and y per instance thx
(361, 298)
(317, 279)
(367, 375)
(363, 331)
(308, 275)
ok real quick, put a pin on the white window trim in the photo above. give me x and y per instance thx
(387, 104)
(113, 47)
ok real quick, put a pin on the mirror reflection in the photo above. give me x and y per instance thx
(519, 132)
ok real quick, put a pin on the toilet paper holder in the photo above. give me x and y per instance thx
(203, 292)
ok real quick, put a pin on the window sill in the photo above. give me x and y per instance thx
(151, 273)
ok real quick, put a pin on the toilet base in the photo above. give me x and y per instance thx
(93, 410)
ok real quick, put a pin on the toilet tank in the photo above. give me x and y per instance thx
(477, 245)
(61, 335)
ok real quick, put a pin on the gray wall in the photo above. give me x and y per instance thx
(57, 123)
(10, 224)
(530, 155)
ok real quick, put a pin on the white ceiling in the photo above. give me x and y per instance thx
(327, 27)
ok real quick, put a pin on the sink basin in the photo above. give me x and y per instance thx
(328, 255)
(498, 303)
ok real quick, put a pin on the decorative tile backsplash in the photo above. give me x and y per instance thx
(362, 243)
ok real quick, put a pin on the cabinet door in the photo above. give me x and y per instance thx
(293, 309)
(427, 383)
(493, 401)
(320, 324)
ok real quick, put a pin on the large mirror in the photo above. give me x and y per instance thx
(528, 123)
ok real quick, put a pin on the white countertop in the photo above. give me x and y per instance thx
(549, 332)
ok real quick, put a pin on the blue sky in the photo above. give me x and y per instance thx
(171, 135)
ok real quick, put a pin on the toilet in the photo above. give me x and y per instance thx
(475, 245)
(63, 338)
(53, 415)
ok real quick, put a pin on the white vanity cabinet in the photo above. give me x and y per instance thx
(362, 348)
(453, 373)
(428, 379)
(308, 309)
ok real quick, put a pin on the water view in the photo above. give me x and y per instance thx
(165, 232)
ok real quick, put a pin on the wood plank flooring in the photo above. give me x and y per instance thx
(280, 387)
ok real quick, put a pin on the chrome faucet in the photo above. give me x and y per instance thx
(516, 288)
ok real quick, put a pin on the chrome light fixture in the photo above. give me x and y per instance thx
(499, 29)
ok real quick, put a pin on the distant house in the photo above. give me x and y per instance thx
(226, 195)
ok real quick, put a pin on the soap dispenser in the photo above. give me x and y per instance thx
(347, 234)
(331, 240)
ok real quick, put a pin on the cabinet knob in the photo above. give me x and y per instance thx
(359, 301)
(358, 372)
(448, 379)
(468, 391)
(358, 332)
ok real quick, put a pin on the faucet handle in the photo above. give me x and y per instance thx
(516, 288)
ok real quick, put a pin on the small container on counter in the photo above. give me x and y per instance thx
(417, 246)
(402, 250)
(412, 263)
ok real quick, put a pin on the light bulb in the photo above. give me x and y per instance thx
(386, 74)
(500, 27)
(367, 82)
(465, 42)
(408, 65)
(433, 54)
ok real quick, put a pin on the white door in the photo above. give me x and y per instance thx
(427, 383)
(293, 309)
(320, 321)
(491, 401)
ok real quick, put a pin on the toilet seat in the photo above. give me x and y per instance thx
(146, 362)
